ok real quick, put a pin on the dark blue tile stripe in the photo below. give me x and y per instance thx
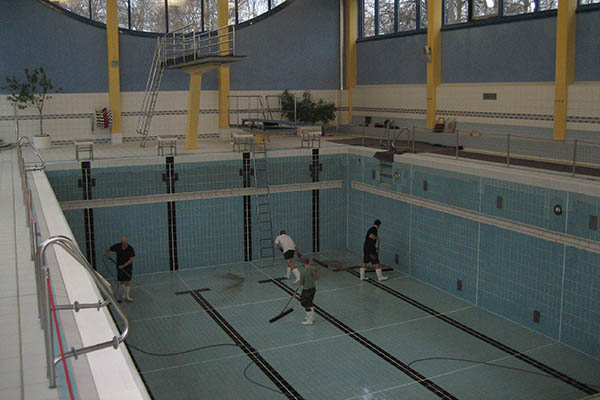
(507, 349)
(390, 359)
(250, 351)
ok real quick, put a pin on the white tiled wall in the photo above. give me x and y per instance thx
(535, 100)
(69, 116)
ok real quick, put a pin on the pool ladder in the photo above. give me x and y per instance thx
(263, 202)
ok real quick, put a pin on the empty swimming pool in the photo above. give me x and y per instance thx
(473, 253)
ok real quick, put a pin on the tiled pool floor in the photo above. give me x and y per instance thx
(366, 342)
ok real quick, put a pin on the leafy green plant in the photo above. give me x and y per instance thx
(307, 110)
(33, 91)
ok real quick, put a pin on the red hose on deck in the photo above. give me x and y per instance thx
(62, 354)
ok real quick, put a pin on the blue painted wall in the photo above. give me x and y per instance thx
(521, 51)
(397, 60)
(296, 47)
(518, 51)
(587, 51)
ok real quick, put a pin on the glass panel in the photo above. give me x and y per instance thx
(99, 10)
(386, 16)
(122, 12)
(210, 15)
(231, 12)
(582, 2)
(185, 12)
(485, 8)
(148, 15)
(423, 14)
(407, 15)
(248, 9)
(456, 11)
(275, 3)
(80, 7)
(548, 5)
(368, 18)
(514, 7)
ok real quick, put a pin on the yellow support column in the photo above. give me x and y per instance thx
(191, 126)
(565, 64)
(351, 28)
(434, 67)
(224, 76)
(114, 85)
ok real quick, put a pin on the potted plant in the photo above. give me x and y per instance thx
(33, 91)
(307, 110)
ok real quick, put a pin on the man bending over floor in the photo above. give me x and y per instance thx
(125, 256)
(284, 243)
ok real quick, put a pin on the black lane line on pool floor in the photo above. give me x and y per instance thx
(501, 346)
(390, 359)
(239, 340)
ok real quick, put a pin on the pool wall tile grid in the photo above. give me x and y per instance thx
(522, 203)
(209, 232)
(64, 184)
(520, 274)
(292, 212)
(581, 208)
(443, 251)
(146, 228)
(532, 276)
(581, 302)
(446, 187)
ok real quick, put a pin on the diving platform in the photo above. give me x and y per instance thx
(193, 51)
(191, 60)
(257, 124)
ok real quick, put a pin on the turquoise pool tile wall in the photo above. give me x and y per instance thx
(128, 181)
(209, 232)
(333, 211)
(527, 204)
(291, 212)
(582, 209)
(519, 274)
(444, 251)
(446, 187)
(146, 228)
(64, 184)
(75, 221)
(508, 273)
(581, 301)
(193, 177)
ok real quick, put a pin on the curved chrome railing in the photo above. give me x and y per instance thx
(42, 273)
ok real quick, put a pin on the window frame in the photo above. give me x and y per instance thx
(499, 17)
(90, 20)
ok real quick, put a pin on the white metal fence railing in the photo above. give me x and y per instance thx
(573, 155)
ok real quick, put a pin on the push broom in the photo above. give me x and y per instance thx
(285, 310)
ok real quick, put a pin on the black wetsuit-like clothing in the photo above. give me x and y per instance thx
(370, 254)
(123, 255)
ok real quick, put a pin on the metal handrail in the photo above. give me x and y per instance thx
(42, 274)
(188, 41)
(565, 146)
(24, 140)
(259, 109)
(27, 194)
